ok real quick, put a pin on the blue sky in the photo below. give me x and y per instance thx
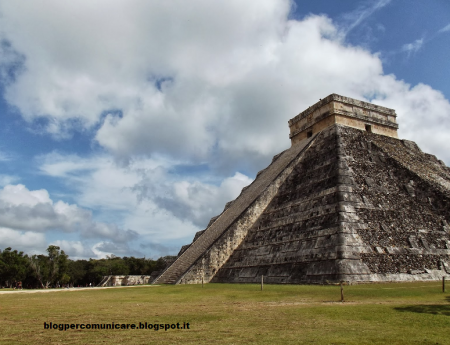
(127, 125)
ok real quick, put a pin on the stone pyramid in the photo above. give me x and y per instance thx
(348, 201)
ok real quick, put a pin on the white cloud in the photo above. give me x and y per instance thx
(413, 106)
(81, 250)
(445, 28)
(100, 182)
(413, 47)
(146, 195)
(54, 164)
(75, 249)
(22, 209)
(159, 250)
(102, 249)
(27, 241)
(4, 157)
(20, 195)
(193, 201)
(7, 179)
(364, 11)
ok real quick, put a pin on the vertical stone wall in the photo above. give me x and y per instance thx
(299, 237)
(346, 111)
(405, 209)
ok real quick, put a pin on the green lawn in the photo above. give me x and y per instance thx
(406, 313)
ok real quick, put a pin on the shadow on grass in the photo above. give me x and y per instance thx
(435, 309)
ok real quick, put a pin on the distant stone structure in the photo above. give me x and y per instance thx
(347, 202)
(125, 280)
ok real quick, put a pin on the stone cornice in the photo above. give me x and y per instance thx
(345, 100)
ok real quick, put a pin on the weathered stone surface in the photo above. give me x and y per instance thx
(210, 251)
(125, 280)
(186, 246)
(336, 109)
(347, 205)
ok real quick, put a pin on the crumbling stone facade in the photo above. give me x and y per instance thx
(336, 109)
(124, 280)
(344, 204)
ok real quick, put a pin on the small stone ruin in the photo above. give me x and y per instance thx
(125, 280)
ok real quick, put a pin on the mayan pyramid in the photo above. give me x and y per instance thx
(349, 201)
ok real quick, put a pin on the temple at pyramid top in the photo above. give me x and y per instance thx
(336, 109)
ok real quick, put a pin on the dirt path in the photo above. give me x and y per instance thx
(73, 289)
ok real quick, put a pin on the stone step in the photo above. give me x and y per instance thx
(219, 225)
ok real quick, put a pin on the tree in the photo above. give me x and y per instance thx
(13, 266)
(78, 270)
(59, 264)
(65, 279)
(39, 267)
(52, 268)
(56, 268)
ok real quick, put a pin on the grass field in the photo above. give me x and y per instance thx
(406, 313)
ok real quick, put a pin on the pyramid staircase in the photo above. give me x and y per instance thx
(249, 194)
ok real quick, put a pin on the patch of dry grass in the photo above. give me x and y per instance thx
(409, 313)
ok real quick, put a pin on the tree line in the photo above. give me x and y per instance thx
(56, 269)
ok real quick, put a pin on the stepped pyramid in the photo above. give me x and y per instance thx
(349, 201)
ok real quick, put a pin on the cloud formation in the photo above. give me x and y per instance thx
(26, 241)
(414, 47)
(75, 249)
(7, 179)
(194, 201)
(25, 210)
(154, 197)
(445, 28)
(200, 81)
(164, 88)
(363, 12)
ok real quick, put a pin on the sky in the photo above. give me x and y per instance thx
(127, 125)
